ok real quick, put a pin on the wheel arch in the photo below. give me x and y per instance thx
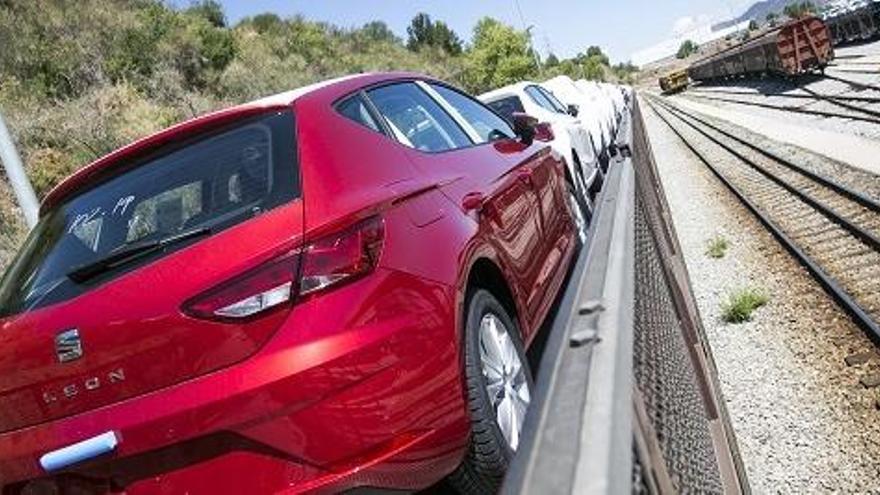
(486, 274)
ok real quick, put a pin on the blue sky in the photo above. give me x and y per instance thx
(566, 27)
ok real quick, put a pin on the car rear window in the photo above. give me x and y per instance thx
(210, 183)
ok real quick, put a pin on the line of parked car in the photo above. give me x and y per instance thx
(324, 290)
(584, 114)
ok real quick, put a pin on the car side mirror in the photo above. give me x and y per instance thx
(524, 127)
(544, 132)
(573, 110)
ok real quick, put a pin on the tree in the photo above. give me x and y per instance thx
(687, 49)
(772, 19)
(379, 31)
(625, 72)
(552, 61)
(265, 23)
(423, 32)
(446, 39)
(209, 10)
(499, 55)
(595, 51)
(795, 10)
(753, 25)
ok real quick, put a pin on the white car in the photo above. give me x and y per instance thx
(614, 92)
(600, 97)
(572, 140)
(591, 112)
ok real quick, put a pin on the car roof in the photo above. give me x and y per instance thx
(509, 90)
(119, 159)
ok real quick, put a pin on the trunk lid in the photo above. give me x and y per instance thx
(69, 345)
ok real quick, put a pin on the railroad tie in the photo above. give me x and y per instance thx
(871, 380)
(860, 358)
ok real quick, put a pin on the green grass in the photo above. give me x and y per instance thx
(717, 247)
(741, 304)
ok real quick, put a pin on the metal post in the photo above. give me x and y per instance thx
(534, 52)
(21, 186)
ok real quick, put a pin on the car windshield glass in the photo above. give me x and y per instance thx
(539, 98)
(211, 183)
(553, 100)
(488, 125)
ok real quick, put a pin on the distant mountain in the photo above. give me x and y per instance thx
(759, 10)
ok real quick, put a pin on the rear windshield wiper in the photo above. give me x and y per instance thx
(127, 254)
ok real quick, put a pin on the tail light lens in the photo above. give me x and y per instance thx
(342, 257)
(327, 262)
(258, 290)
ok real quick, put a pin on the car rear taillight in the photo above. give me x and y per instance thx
(263, 288)
(327, 262)
(342, 257)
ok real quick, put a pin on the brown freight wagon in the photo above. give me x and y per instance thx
(797, 47)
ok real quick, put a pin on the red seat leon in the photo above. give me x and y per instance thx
(328, 289)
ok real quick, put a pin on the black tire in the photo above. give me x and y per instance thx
(489, 454)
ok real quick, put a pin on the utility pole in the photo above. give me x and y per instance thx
(21, 185)
(534, 52)
(522, 19)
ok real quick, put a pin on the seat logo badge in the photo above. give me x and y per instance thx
(68, 346)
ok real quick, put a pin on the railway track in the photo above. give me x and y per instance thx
(810, 95)
(832, 229)
(853, 84)
(858, 113)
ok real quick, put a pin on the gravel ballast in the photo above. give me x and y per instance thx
(804, 422)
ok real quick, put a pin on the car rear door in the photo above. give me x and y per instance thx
(498, 178)
(537, 167)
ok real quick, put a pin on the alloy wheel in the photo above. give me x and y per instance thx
(506, 382)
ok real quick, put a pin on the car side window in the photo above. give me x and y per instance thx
(489, 126)
(416, 120)
(356, 109)
(506, 107)
(539, 98)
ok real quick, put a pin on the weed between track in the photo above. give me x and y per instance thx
(742, 304)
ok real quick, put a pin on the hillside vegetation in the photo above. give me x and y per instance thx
(78, 79)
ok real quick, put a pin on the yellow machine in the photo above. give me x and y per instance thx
(674, 82)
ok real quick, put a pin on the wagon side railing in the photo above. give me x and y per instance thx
(628, 400)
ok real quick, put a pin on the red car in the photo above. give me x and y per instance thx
(323, 290)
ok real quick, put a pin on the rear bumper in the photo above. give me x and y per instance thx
(340, 397)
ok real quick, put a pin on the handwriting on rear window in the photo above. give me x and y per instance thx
(119, 208)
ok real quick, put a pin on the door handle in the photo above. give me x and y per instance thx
(473, 201)
(525, 175)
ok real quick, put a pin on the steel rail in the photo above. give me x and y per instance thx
(828, 212)
(812, 95)
(852, 83)
(789, 108)
(828, 282)
(841, 189)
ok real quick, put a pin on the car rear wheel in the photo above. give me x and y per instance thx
(499, 386)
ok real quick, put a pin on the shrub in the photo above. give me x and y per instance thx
(717, 247)
(741, 304)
